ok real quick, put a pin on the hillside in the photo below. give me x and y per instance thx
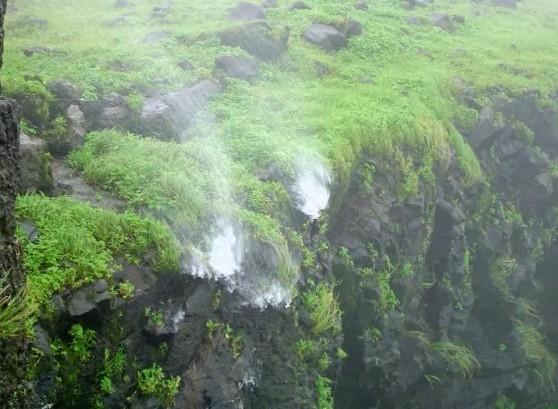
(319, 204)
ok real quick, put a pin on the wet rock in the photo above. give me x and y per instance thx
(326, 37)
(36, 170)
(31, 51)
(185, 65)
(141, 277)
(170, 116)
(162, 10)
(418, 3)
(41, 341)
(76, 124)
(443, 21)
(299, 5)
(200, 303)
(258, 39)
(216, 376)
(361, 5)
(511, 4)
(111, 111)
(352, 28)
(65, 94)
(238, 67)
(68, 183)
(30, 229)
(156, 37)
(270, 4)
(247, 11)
(92, 298)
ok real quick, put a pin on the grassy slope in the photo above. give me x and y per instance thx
(406, 102)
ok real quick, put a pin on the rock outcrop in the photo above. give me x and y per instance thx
(13, 390)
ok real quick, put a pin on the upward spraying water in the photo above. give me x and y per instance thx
(225, 256)
(312, 188)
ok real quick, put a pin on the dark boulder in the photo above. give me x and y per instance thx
(361, 5)
(170, 116)
(30, 230)
(93, 298)
(299, 5)
(446, 22)
(511, 4)
(36, 170)
(76, 126)
(111, 111)
(327, 37)
(258, 39)
(414, 20)
(238, 67)
(156, 37)
(123, 4)
(247, 11)
(270, 4)
(65, 94)
(31, 51)
(352, 28)
(162, 10)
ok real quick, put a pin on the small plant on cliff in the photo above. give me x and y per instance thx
(15, 311)
(321, 303)
(459, 358)
(323, 390)
(536, 352)
(153, 382)
(72, 360)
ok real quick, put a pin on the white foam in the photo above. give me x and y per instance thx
(312, 188)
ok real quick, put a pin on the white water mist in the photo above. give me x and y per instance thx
(312, 187)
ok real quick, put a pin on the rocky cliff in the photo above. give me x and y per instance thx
(13, 393)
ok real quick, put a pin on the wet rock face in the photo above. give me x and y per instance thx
(238, 67)
(13, 391)
(455, 295)
(170, 116)
(258, 39)
(246, 11)
(36, 170)
(327, 37)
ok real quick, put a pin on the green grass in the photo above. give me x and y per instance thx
(459, 358)
(77, 244)
(534, 348)
(321, 303)
(15, 311)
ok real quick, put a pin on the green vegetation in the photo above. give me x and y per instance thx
(324, 393)
(459, 358)
(534, 347)
(153, 382)
(321, 303)
(15, 311)
(503, 402)
(72, 359)
(77, 244)
(154, 316)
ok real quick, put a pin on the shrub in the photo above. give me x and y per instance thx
(78, 242)
(153, 382)
(321, 303)
(459, 358)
